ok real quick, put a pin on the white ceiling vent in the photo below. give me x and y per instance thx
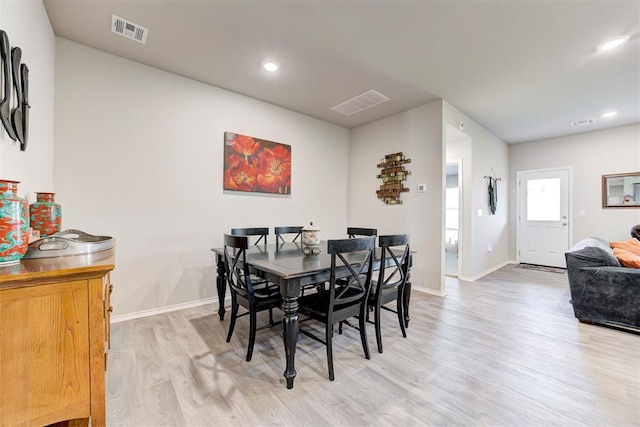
(583, 123)
(128, 29)
(360, 103)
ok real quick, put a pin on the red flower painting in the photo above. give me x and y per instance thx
(256, 165)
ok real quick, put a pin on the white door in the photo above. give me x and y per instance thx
(543, 217)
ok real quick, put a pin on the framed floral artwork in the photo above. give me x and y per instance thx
(256, 165)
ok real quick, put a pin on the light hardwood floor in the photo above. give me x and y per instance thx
(505, 350)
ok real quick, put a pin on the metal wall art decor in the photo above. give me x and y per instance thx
(392, 175)
(15, 120)
(256, 165)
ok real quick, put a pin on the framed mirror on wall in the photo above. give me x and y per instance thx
(621, 190)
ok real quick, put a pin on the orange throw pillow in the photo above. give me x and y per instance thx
(631, 245)
(626, 258)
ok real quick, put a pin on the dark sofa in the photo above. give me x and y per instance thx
(602, 291)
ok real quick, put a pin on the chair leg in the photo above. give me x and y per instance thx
(363, 331)
(400, 310)
(234, 315)
(378, 321)
(252, 334)
(329, 340)
(271, 316)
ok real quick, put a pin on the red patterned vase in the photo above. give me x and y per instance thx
(45, 214)
(14, 223)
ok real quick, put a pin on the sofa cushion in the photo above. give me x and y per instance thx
(627, 258)
(631, 245)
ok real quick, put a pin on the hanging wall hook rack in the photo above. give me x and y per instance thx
(492, 175)
(492, 190)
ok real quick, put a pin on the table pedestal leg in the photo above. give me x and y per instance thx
(222, 287)
(290, 335)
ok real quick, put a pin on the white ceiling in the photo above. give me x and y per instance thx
(524, 70)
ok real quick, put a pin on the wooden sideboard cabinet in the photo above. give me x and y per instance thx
(54, 335)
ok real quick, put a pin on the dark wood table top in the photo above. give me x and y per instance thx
(286, 262)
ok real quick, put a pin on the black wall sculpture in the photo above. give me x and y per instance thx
(15, 120)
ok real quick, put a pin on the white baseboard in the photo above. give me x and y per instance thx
(484, 273)
(428, 291)
(167, 309)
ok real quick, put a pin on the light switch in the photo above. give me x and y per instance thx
(480, 212)
(582, 212)
(422, 188)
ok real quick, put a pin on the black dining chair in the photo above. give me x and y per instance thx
(339, 301)
(354, 232)
(279, 231)
(256, 299)
(391, 281)
(262, 232)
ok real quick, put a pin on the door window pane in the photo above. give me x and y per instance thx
(543, 199)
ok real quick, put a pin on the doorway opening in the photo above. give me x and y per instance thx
(452, 220)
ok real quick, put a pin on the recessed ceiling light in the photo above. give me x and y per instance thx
(609, 114)
(270, 66)
(612, 44)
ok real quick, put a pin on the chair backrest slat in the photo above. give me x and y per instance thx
(263, 232)
(353, 232)
(235, 264)
(357, 284)
(394, 268)
(279, 231)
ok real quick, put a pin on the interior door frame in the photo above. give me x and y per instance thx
(519, 175)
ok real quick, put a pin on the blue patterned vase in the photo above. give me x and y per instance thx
(14, 224)
(45, 215)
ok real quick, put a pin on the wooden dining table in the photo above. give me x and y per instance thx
(287, 266)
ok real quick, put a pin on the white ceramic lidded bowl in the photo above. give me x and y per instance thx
(311, 239)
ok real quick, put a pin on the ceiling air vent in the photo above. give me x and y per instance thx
(128, 29)
(583, 123)
(360, 103)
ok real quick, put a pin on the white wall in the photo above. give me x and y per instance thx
(139, 156)
(591, 155)
(27, 25)
(479, 233)
(417, 133)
